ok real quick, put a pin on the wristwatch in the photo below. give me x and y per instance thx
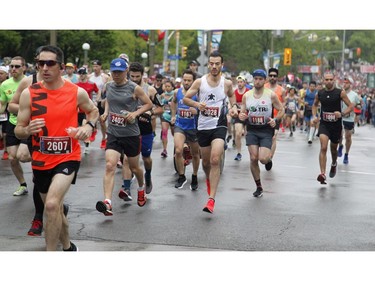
(91, 124)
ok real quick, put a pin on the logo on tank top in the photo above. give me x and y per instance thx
(260, 108)
(211, 97)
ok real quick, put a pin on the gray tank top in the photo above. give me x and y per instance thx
(121, 100)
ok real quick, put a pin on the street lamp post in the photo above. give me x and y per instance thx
(314, 37)
(144, 57)
(86, 48)
(343, 51)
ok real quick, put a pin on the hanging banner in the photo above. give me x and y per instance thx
(146, 33)
(216, 38)
(200, 38)
(266, 59)
(276, 61)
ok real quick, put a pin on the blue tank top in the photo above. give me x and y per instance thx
(310, 96)
(184, 119)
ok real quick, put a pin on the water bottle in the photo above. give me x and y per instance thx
(72, 131)
(125, 113)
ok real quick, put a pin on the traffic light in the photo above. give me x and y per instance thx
(287, 56)
(358, 52)
(184, 52)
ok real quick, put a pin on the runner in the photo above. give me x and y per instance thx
(273, 74)
(56, 156)
(212, 90)
(7, 90)
(311, 92)
(348, 120)
(291, 109)
(257, 108)
(184, 119)
(330, 128)
(123, 135)
(144, 122)
(239, 126)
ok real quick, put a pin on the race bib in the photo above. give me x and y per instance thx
(257, 120)
(117, 119)
(211, 112)
(185, 113)
(291, 106)
(329, 117)
(55, 145)
(3, 116)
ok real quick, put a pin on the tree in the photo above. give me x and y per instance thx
(10, 41)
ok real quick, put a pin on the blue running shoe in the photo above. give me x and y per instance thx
(339, 152)
(346, 159)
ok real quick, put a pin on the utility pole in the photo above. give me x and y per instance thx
(52, 37)
(151, 54)
(165, 51)
(271, 51)
(209, 42)
(177, 51)
(343, 51)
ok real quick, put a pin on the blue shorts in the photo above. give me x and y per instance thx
(147, 141)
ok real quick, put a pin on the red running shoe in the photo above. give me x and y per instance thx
(103, 144)
(141, 201)
(209, 208)
(322, 179)
(125, 195)
(93, 135)
(5, 155)
(36, 228)
(208, 187)
(104, 207)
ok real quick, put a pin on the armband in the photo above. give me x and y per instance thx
(157, 100)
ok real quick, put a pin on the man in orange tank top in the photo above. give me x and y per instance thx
(273, 73)
(46, 109)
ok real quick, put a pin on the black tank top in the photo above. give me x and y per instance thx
(34, 78)
(330, 100)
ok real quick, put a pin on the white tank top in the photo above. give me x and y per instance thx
(259, 109)
(215, 113)
(98, 80)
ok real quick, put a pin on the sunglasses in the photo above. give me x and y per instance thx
(49, 63)
(15, 66)
(272, 75)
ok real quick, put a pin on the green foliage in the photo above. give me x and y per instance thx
(363, 39)
(241, 49)
(9, 42)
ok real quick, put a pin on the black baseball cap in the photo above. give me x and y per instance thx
(96, 62)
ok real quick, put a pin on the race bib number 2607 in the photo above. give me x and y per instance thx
(55, 145)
